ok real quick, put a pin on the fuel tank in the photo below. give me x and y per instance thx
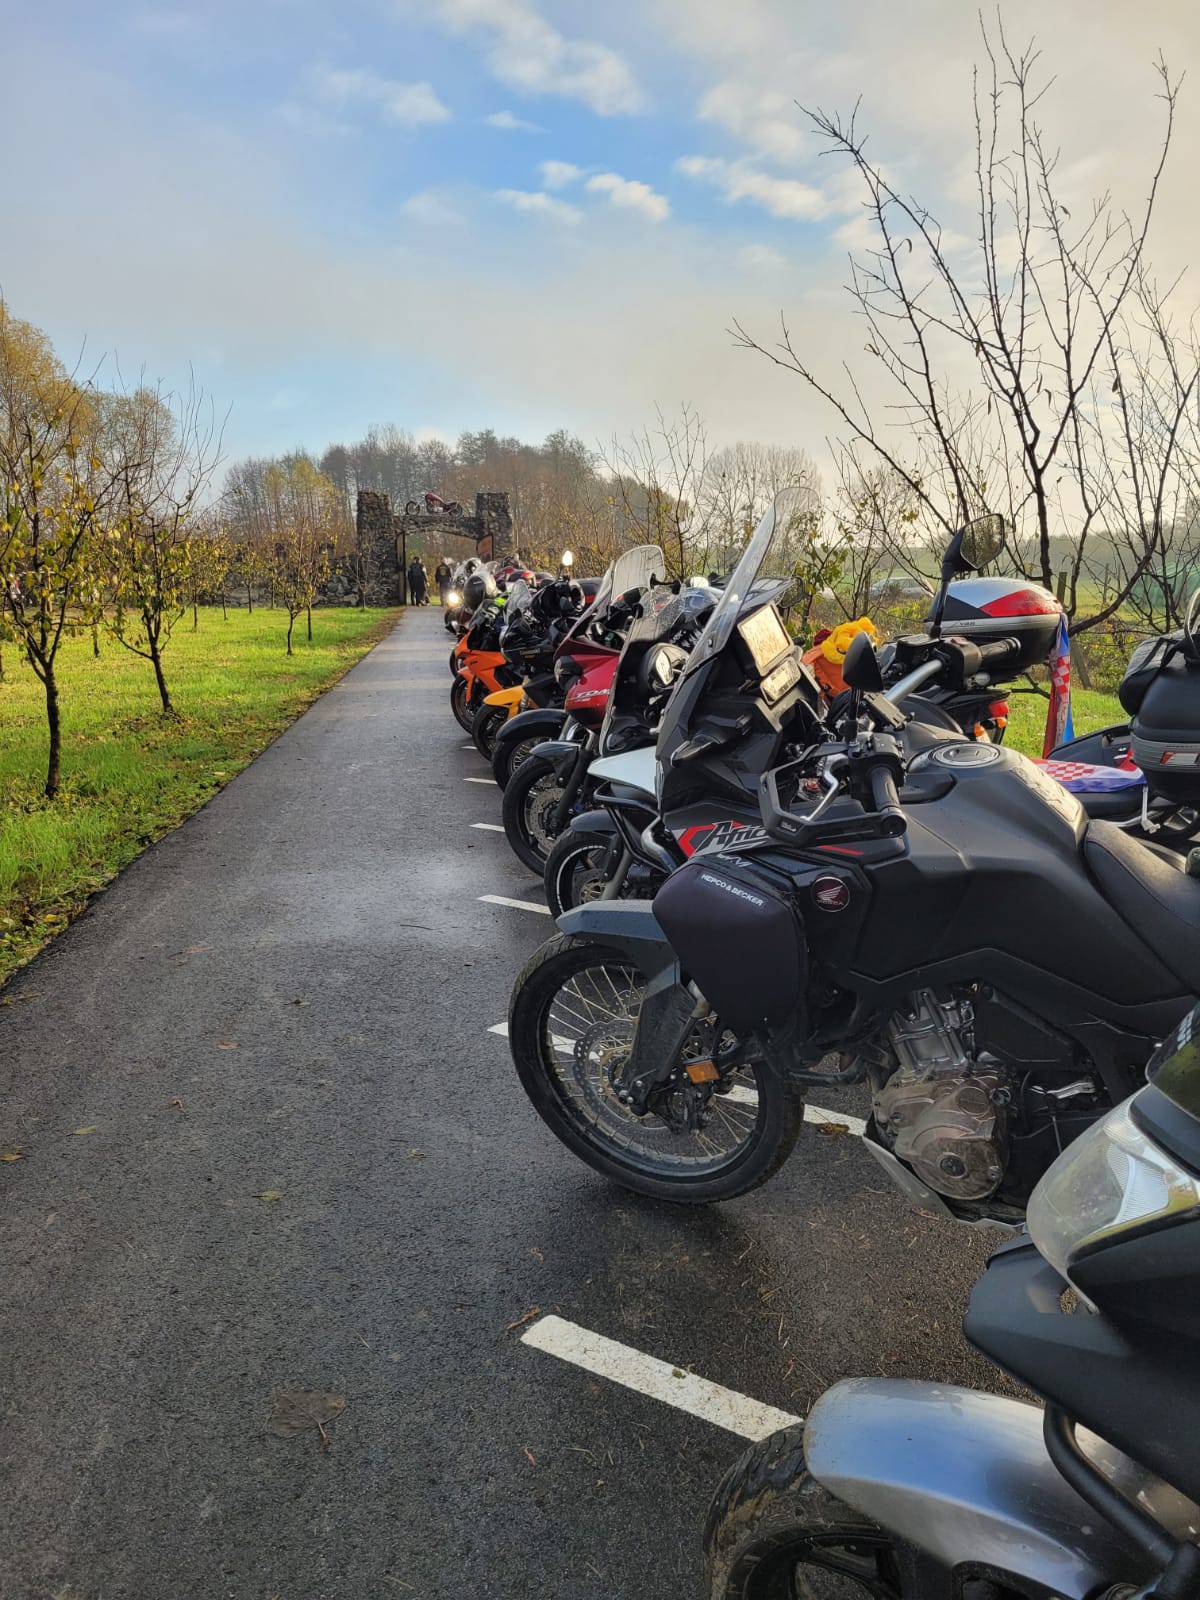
(992, 883)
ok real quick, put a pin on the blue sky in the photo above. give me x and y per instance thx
(517, 213)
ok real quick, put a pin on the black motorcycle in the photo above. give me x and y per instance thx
(944, 927)
(917, 1491)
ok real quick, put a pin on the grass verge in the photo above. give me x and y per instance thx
(129, 775)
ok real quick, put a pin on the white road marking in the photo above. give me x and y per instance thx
(658, 1380)
(489, 827)
(470, 745)
(490, 781)
(515, 905)
(819, 1114)
(740, 1095)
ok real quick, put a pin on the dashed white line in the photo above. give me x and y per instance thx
(747, 1097)
(491, 782)
(514, 905)
(657, 1380)
(489, 827)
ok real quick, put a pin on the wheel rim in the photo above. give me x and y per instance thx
(521, 752)
(541, 802)
(582, 875)
(585, 1035)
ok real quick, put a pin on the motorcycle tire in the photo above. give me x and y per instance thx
(488, 722)
(411, 507)
(770, 1524)
(642, 1154)
(464, 712)
(528, 798)
(575, 872)
(509, 756)
(454, 663)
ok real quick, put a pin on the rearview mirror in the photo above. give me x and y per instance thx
(982, 541)
(860, 669)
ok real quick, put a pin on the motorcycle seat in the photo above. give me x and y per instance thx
(1150, 889)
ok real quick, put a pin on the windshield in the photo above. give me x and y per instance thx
(768, 556)
(632, 569)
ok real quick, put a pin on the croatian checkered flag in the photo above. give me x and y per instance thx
(1059, 725)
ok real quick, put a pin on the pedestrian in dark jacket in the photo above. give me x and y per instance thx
(418, 582)
(442, 575)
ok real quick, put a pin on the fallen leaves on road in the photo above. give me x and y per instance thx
(295, 1411)
(12, 1155)
(529, 1456)
(92, 1128)
(226, 1044)
(534, 1311)
(269, 1196)
(833, 1129)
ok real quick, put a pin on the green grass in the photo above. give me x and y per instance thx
(128, 774)
(1091, 709)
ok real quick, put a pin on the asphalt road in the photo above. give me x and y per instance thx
(270, 1144)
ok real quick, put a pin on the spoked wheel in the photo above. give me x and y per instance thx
(774, 1533)
(530, 804)
(509, 757)
(464, 713)
(488, 722)
(571, 1025)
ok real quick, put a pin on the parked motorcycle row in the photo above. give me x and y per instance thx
(771, 879)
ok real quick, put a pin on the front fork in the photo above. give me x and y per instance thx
(572, 786)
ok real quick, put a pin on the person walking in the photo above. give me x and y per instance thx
(418, 582)
(442, 575)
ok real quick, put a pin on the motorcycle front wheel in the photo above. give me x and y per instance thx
(576, 872)
(774, 1533)
(509, 756)
(571, 1021)
(531, 800)
(488, 722)
(460, 704)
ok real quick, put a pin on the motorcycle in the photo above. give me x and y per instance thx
(919, 1491)
(433, 505)
(623, 851)
(534, 624)
(543, 792)
(932, 912)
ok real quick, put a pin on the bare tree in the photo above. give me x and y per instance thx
(1008, 361)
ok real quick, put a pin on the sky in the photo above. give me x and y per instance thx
(522, 214)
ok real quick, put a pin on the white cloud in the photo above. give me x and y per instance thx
(558, 174)
(407, 105)
(431, 208)
(761, 258)
(544, 205)
(736, 180)
(631, 195)
(527, 53)
(764, 119)
(508, 123)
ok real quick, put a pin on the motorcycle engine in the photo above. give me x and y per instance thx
(942, 1112)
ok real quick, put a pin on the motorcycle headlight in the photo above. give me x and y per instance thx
(1113, 1178)
(453, 598)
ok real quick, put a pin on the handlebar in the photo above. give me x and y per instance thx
(887, 801)
(1000, 652)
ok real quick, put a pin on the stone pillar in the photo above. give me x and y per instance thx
(376, 534)
(493, 524)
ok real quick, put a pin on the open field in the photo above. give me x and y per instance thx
(1091, 709)
(129, 775)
